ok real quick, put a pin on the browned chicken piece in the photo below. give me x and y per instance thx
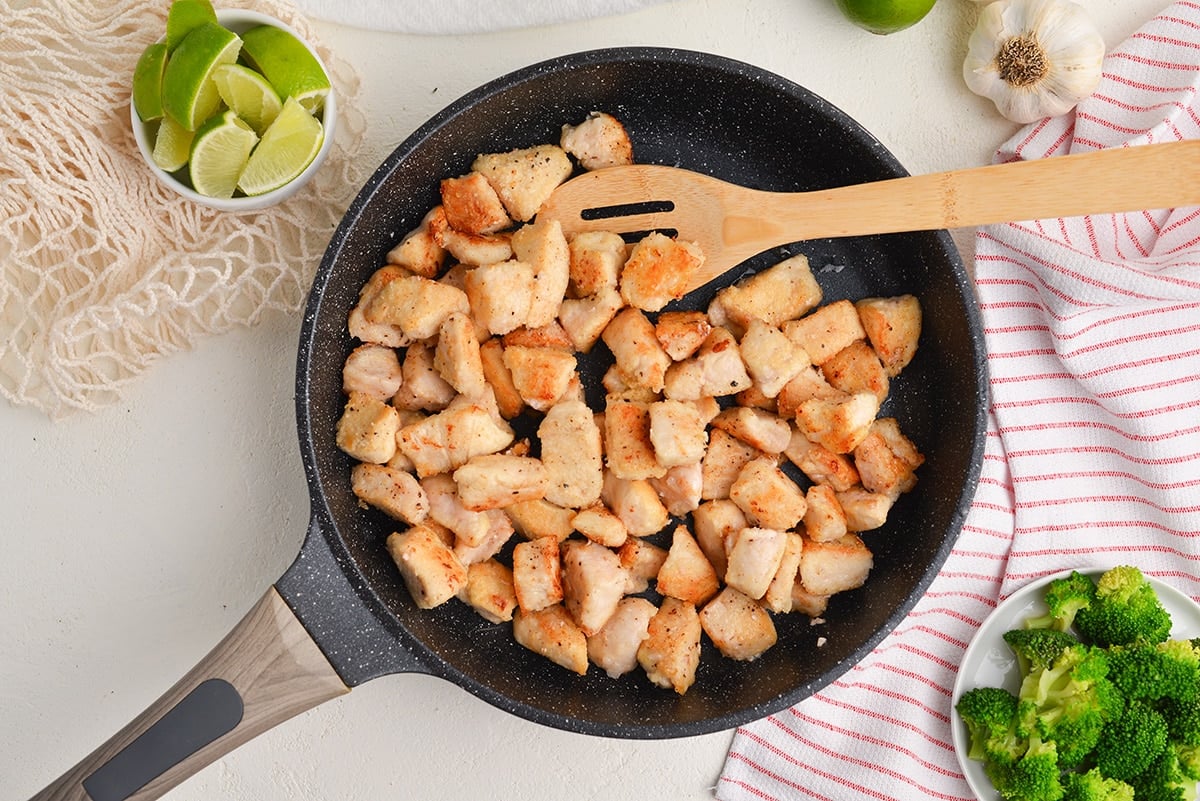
(525, 177)
(541, 375)
(616, 386)
(840, 425)
(419, 252)
(893, 326)
(361, 328)
(723, 463)
(599, 141)
(753, 398)
(639, 357)
(550, 335)
(757, 428)
(543, 246)
(782, 292)
(771, 357)
(825, 519)
(490, 592)
(394, 492)
(600, 525)
(636, 503)
(540, 518)
(778, 597)
(497, 480)
(614, 648)
(447, 440)
(475, 250)
(715, 525)
(684, 381)
(431, 572)
(470, 527)
(585, 318)
(708, 407)
(416, 305)
(807, 385)
(827, 568)
(754, 560)
(724, 372)
(768, 496)
(399, 461)
(423, 388)
(500, 294)
(500, 531)
(373, 370)
(887, 460)
(642, 560)
(367, 429)
(627, 443)
(551, 633)
(596, 261)
(678, 433)
(680, 489)
(681, 333)
(824, 332)
(572, 454)
(739, 627)
(821, 465)
(670, 653)
(497, 375)
(687, 574)
(865, 510)
(856, 368)
(593, 583)
(537, 573)
(658, 271)
(472, 205)
(806, 603)
(456, 356)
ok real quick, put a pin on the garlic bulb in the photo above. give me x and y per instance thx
(1033, 58)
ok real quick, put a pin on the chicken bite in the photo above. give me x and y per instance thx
(600, 525)
(524, 177)
(639, 357)
(758, 428)
(394, 492)
(771, 358)
(572, 455)
(541, 375)
(678, 433)
(456, 356)
(827, 568)
(893, 326)
(739, 627)
(784, 291)
(636, 503)
(367, 429)
(596, 261)
(599, 141)
(670, 653)
(431, 572)
(826, 331)
(627, 442)
(658, 271)
(681, 333)
(497, 480)
(472, 206)
(537, 573)
(552, 633)
(490, 592)
(373, 370)
(542, 246)
(768, 496)
(686, 573)
(593, 583)
(754, 560)
(500, 295)
(614, 648)
(416, 305)
(419, 251)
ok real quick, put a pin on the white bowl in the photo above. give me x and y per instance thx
(989, 662)
(239, 21)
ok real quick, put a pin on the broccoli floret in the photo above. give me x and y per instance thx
(1037, 648)
(1094, 786)
(1156, 671)
(1065, 597)
(1068, 702)
(1189, 759)
(1131, 742)
(1164, 780)
(1034, 777)
(991, 716)
(1125, 609)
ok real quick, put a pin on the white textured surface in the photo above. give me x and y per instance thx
(134, 539)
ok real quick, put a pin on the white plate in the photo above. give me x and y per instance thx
(989, 662)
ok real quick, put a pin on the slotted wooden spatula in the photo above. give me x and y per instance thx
(732, 223)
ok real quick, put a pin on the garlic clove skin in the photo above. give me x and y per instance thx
(1033, 58)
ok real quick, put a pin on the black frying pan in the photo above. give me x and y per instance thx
(340, 615)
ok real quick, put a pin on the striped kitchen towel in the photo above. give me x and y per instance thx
(1092, 328)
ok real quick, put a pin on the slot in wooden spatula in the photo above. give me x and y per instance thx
(732, 223)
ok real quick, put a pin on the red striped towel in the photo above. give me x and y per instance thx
(1092, 328)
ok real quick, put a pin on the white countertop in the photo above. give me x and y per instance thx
(136, 537)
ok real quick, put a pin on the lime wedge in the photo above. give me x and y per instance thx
(286, 149)
(147, 82)
(189, 94)
(288, 64)
(172, 145)
(186, 15)
(219, 154)
(248, 94)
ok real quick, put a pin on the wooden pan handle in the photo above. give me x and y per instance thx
(265, 671)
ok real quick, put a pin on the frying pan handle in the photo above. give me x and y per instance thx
(265, 671)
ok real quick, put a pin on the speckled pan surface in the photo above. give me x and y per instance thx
(736, 122)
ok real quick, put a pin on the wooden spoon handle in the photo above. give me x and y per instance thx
(1104, 181)
(266, 670)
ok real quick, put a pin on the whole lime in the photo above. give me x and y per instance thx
(885, 16)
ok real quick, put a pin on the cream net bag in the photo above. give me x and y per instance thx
(102, 269)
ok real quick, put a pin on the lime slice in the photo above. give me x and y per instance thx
(248, 94)
(189, 94)
(290, 67)
(147, 82)
(219, 154)
(286, 149)
(172, 145)
(885, 16)
(184, 17)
